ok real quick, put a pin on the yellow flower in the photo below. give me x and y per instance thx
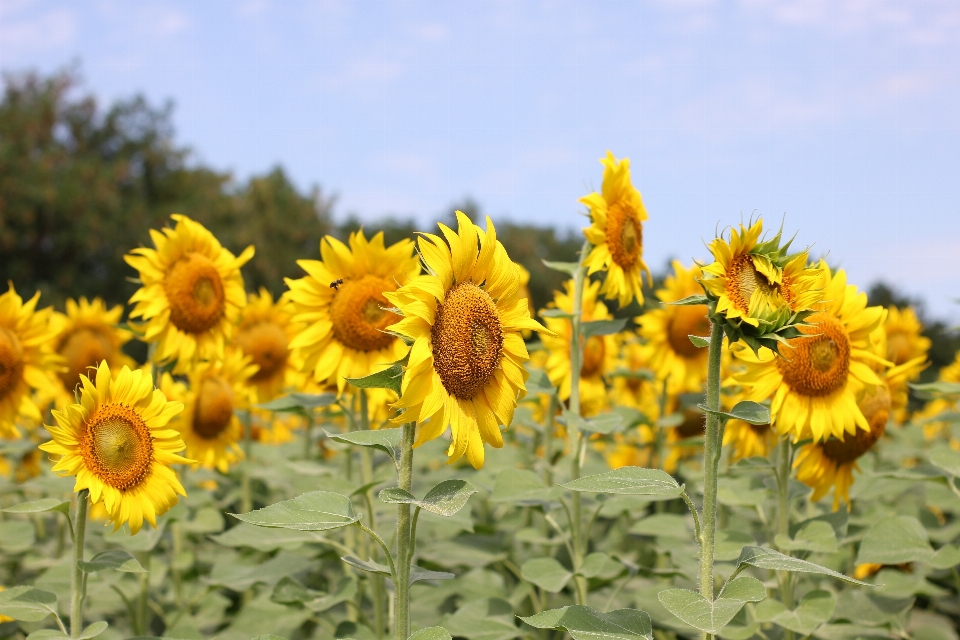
(524, 276)
(815, 381)
(265, 332)
(928, 416)
(464, 317)
(599, 352)
(342, 306)
(27, 362)
(830, 464)
(665, 330)
(899, 341)
(209, 426)
(117, 443)
(693, 425)
(86, 336)
(27, 466)
(634, 388)
(748, 440)
(756, 289)
(191, 293)
(616, 233)
(630, 450)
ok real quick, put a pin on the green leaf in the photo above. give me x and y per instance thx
(599, 564)
(815, 608)
(315, 511)
(299, 402)
(702, 614)
(570, 268)
(247, 535)
(602, 327)
(689, 301)
(538, 382)
(729, 543)
(370, 566)
(290, 591)
(28, 604)
(946, 557)
(699, 341)
(555, 313)
(445, 499)
(416, 573)
(546, 573)
(751, 412)
(814, 536)
(604, 423)
(763, 558)
(16, 536)
(943, 458)
(895, 540)
(938, 388)
(431, 633)
(586, 623)
(631, 481)
(47, 634)
(388, 378)
(93, 630)
(665, 525)
(116, 559)
(40, 506)
(385, 440)
(523, 487)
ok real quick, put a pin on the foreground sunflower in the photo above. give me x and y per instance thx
(86, 336)
(830, 464)
(616, 233)
(599, 352)
(815, 380)
(264, 333)
(209, 426)
(117, 443)
(27, 363)
(758, 291)
(191, 293)
(464, 317)
(666, 329)
(342, 307)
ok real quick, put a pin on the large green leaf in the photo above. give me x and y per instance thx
(751, 412)
(546, 573)
(523, 487)
(40, 506)
(116, 559)
(27, 603)
(631, 481)
(388, 378)
(299, 402)
(702, 614)
(445, 499)
(586, 623)
(815, 608)
(764, 558)
(315, 511)
(431, 633)
(602, 327)
(386, 440)
(895, 540)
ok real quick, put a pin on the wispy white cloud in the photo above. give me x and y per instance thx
(26, 33)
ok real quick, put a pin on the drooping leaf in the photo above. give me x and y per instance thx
(764, 558)
(546, 573)
(445, 499)
(586, 623)
(388, 378)
(297, 402)
(602, 327)
(689, 301)
(417, 574)
(940, 388)
(750, 412)
(895, 540)
(315, 511)
(40, 506)
(631, 481)
(815, 608)
(702, 614)
(431, 633)
(27, 603)
(116, 559)
(370, 566)
(385, 440)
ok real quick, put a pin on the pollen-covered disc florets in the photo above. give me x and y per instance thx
(467, 340)
(756, 290)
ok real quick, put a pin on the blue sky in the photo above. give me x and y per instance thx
(841, 116)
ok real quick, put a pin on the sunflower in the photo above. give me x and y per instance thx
(694, 425)
(830, 464)
(464, 317)
(265, 332)
(27, 363)
(210, 426)
(758, 291)
(748, 440)
(899, 341)
(117, 443)
(632, 383)
(815, 381)
(86, 336)
(342, 306)
(630, 450)
(616, 233)
(928, 416)
(599, 352)
(665, 330)
(525, 292)
(191, 293)
(23, 468)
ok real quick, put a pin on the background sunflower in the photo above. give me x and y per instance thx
(264, 333)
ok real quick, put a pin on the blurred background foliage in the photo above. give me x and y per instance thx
(81, 184)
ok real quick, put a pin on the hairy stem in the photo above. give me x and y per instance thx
(402, 583)
(783, 520)
(576, 438)
(76, 584)
(378, 587)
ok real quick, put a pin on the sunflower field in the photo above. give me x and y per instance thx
(401, 446)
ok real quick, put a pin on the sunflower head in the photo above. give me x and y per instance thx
(616, 233)
(264, 333)
(191, 293)
(464, 318)
(756, 290)
(117, 444)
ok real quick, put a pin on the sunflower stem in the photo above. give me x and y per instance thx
(548, 440)
(404, 544)
(142, 610)
(366, 475)
(76, 585)
(784, 463)
(246, 500)
(711, 463)
(576, 438)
